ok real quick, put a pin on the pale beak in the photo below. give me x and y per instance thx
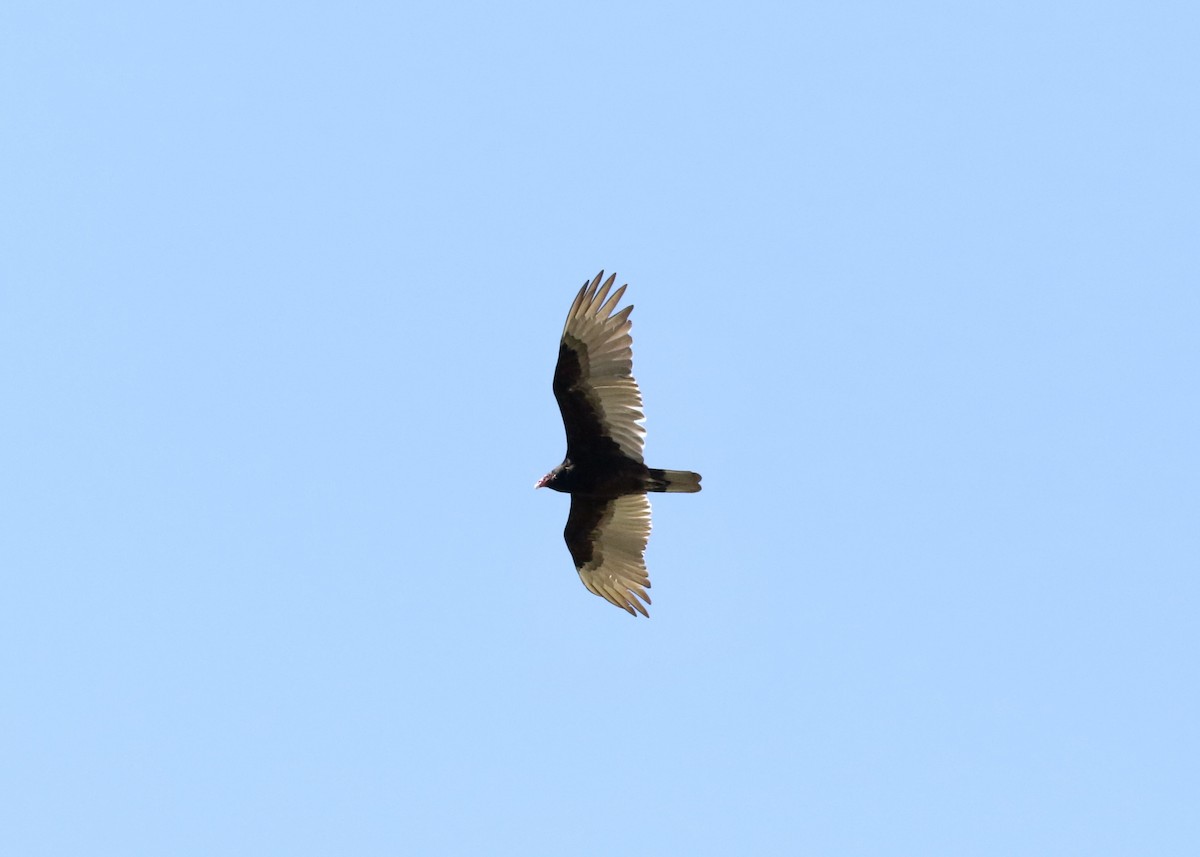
(541, 483)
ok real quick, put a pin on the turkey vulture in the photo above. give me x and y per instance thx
(603, 471)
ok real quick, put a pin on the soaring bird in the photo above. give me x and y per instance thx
(609, 523)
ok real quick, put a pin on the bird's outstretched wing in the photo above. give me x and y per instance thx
(607, 540)
(593, 381)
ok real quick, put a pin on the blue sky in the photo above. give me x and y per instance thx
(917, 292)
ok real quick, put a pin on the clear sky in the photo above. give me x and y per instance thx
(918, 292)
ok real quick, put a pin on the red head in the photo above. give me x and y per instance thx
(554, 479)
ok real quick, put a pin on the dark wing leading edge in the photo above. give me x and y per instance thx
(593, 381)
(607, 539)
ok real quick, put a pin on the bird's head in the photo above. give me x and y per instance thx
(550, 480)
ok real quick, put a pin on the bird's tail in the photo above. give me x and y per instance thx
(673, 481)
